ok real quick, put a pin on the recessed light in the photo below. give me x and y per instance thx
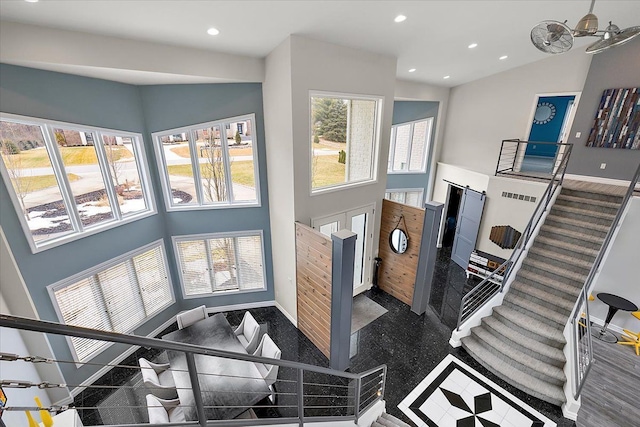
(31, 1)
(472, 45)
(400, 18)
(412, 70)
(213, 31)
(503, 57)
(446, 77)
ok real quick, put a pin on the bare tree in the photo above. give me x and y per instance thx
(215, 185)
(112, 150)
(13, 163)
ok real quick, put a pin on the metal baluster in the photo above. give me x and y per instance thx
(358, 390)
(195, 386)
(301, 396)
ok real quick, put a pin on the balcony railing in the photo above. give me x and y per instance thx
(302, 394)
(514, 160)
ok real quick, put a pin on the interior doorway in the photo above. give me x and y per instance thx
(454, 195)
(551, 122)
(360, 221)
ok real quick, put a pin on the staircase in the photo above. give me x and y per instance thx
(522, 341)
(386, 420)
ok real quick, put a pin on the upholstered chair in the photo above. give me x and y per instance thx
(164, 411)
(248, 332)
(267, 348)
(189, 317)
(158, 379)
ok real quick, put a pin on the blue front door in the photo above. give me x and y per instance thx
(548, 124)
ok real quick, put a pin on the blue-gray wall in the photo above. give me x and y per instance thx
(101, 103)
(409, 111)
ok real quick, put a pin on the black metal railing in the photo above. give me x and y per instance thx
(302, 394)
(492, 285)
(583, 354)
(513, 160)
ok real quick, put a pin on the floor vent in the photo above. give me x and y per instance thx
(517, 196)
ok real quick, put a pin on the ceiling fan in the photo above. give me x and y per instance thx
(556, 37)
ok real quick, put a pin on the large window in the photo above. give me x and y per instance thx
(411, 197)
(67, 181)
(220, 263)
(116, 296)
(410, 146)
(344, 139)
(210, 165)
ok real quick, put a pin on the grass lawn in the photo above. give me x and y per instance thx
(241, 172)
(327, 171)
(183, 151)
(38, 158)
(35, 183)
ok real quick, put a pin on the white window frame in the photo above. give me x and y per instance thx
(79, 230)
(164, 174)
(405, 191)
(206, 236)
(97, 269)
(376, 143)
(427, 147)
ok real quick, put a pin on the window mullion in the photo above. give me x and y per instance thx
(410, 146)
(195, 167)
(105, 171)
(392, 149)
(237, 259)
(224, 145)
(104, 301)
(210, 264)
(59, 171)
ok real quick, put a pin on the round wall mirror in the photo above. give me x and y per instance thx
(398, 241)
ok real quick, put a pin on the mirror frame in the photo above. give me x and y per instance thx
(406, 238)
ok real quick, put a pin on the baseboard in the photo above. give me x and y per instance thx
(600, 322)
(243, 306)
(99, 373)
(598, 179)
(293, 320)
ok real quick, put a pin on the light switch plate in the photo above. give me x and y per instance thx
(578, 134)
(603, 165)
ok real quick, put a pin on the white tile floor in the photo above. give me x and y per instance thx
(455, 395)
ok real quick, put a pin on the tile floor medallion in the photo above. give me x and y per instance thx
(455, 395)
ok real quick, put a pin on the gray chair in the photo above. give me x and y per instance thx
(158, 379)
(248, 332)
(164, 411)
(267, 348)
(189, 317)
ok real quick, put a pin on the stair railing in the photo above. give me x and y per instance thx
(493, 284)
(512, 152)
(581, 336)
(358, 392)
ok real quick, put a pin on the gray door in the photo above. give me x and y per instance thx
(467, 226)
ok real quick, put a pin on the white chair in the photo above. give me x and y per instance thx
(247, 332)
(267, 348)
(164, 411)
(189, 317)
(158, 379)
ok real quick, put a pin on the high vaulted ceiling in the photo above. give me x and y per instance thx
(433, 39)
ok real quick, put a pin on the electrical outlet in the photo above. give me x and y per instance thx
(603, 165)
(578, 134)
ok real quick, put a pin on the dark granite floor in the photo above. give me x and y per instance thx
(410, 345)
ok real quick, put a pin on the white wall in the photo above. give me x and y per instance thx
(619, 272)
(500, 210)
(279, 140)
(37, 344)
(412, 91)
(11, 342)
(484, 112)
(112, 58)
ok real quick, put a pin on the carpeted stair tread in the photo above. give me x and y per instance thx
(529, 343)
(584, 212)
(395, 421)
(543, 295)
(570, 288)
(594, 202)
(506, 350)
(546, 267)
(525, 382)
(530, 324)
(542, 311)
(567, 259)
(567, 246)
(570, 233)
(577, 223)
